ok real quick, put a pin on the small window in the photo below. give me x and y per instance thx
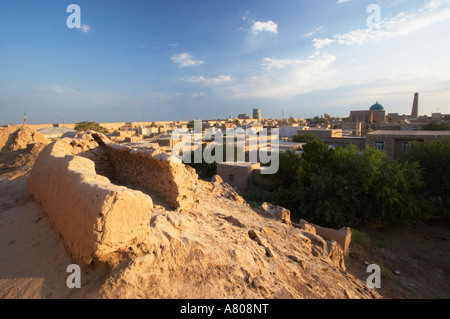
(379, 145)
(231, 178)
(406, 145)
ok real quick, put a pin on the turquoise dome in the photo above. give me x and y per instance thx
(377, 107)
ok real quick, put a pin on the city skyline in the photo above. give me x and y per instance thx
(176, 60)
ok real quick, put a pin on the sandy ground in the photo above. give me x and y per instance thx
(33, 259)
(32, 264)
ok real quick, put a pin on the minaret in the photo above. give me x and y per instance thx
(415, 108)
(25, 118)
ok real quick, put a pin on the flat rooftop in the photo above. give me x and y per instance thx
(238, 164)
(410, 133)
(56, 130)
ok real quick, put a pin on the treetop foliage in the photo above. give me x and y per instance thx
(434, 126)
(346, 186)
(90, 126)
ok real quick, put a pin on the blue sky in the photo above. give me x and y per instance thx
(212, 59)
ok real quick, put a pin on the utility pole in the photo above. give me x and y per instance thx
(138, 110)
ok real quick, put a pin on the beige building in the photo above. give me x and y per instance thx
(396, 142)
(365, 121)
(344, 141)
(57, 132)
(321, 134)
(237, 174)
(376, 114)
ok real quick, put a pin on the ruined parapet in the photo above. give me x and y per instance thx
(325, 248)
(342, 236)
(77, 182)
(276, 212)
(150, 170)
(95, 218)
(155, 171)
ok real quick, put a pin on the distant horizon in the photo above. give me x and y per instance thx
(203, 119)
(175, 60)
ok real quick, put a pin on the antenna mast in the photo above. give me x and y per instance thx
(138, 110)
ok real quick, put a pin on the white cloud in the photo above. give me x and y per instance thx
(402, 24)
(342, 1)
(277, 79)
(221, 79)
(433, 4)
(321, 43)
(185, 60)
(286, 78)
(268, 26)
(85, 28)
(314, 31)
(390, 3)
(196, 95)
(55, 89)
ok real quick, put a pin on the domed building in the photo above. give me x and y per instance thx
(376, 114)
(377, 107)
(368, 120)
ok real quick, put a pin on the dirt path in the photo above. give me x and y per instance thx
(415, 261)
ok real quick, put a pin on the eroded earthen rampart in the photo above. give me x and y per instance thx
(97, 194)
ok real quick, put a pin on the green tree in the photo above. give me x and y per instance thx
(190, 125)
(304, 138)
(434, 159)
(208, 170)
(346, 186)
(90, 126)
(434, 126)
(318, 120)
(396, 194)
(289, 170)
(316, 154)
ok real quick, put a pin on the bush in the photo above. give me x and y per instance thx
(90, 126)
(208, 170)
(434, 161)
(288, 171)
(433, 126)
(344, 187)
(304, 138)
(360, 237)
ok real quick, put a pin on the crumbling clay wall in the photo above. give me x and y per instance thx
(342, 236)
(82, 186)
(95, 218)
(155, 171)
